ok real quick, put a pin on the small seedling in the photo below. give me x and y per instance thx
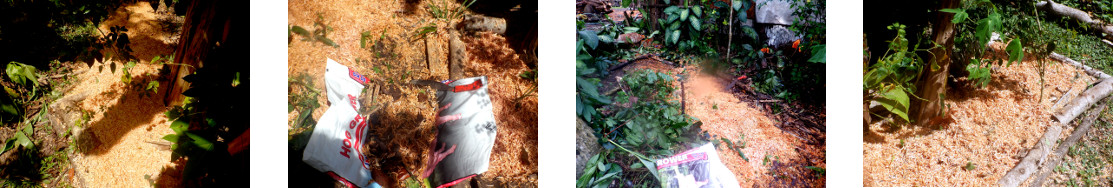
(970, 166)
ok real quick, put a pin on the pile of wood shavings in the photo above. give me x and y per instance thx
(724, 115)
(115, 147)
(987, 131)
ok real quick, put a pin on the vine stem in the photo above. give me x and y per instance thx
(636, 154)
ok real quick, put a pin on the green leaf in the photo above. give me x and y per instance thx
(590, 38)
(363, 37)
(606, 39)
(960, 14)
(327, 41)
(200, 142)
(819, 54)
(896, 101)
(698, 12)
(671, 9)
(675, 36)
(8, 145)
(626, 3)
(179, 126)
(1016, 52)
(737, 4)
(173, 138)
(22, 139)
(683, 14)
(300, 31)
(695, 24)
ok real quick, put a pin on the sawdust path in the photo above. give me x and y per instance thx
(987, 130)
(121, 143)
(725, 115)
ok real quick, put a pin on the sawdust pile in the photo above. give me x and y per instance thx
(118, 147)
(987, 130)
(407, 112)
(726, 116)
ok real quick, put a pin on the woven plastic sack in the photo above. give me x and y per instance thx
(473, 133)
(698, 167)
(334, 146)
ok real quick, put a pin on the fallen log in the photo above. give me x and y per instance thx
(1030, 163)
(1091, 71)
(1084, 101)
(1082, 16)
(1083, 128)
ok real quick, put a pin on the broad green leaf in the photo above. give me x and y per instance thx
(8, 145)
(960, 14)
(590, 38)
(179, 126)
(696, 24)
(626, 3)
(630, 29)
(1016, 52)
(200, 142)
(896, 101)
(819, 54)
(671, 9)
(675, 36)
(606, 39)
(737, 4)
(697, 11)
(173, 138)
(22, 139)
(683, 14)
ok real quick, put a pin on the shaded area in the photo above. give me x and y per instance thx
(119, 119)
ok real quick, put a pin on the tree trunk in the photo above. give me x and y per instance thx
(933, 80)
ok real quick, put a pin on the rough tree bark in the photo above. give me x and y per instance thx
(933, 80)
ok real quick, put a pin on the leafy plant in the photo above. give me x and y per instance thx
(654, 120)
(319, 34)
(892, 79)
(118, 39)
(587, 91)
(686, 20)
(22, 74)
(599, 173)
(441, 11)
(984, 29)
(22, 138)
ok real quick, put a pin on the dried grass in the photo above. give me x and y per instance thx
(987, 127)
